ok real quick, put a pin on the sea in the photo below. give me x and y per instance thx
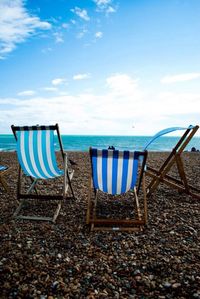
(83, 142)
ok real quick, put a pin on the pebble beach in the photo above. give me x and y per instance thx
(66, 260)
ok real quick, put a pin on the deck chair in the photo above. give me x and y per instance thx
(3, 171)
(161, 175)
(115, 173)
(37, 160)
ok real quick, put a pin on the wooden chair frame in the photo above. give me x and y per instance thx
(23, 197)
(161, 175)
(136, 224)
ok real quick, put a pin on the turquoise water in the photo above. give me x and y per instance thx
(82, 143)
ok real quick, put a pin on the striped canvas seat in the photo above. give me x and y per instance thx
(3, 182)
(114, 171)
(36, 153)
(3, 167)
(37, 161)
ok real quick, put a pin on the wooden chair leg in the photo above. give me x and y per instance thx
(137, 204)
(89, 203)
(145, 199)
(94, 210)
(181, 171)
(4, 184)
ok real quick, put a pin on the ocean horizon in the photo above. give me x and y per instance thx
(84, 142)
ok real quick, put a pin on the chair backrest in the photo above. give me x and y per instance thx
(36, 151)
(114, 171)
(191, 130)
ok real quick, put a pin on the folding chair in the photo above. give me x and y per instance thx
(161, 175)
(3, 171)
(37, 159)
(115, 173)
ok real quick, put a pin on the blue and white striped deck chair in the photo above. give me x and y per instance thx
(162, 175)
(115, 172)
(37, 160)
(3, 171)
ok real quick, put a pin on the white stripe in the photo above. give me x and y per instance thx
(49, 158)
(109, 171)
(130, 171)
(22, 149)
(99, 169)
(40, 156)
(119, 172)
(31, 151)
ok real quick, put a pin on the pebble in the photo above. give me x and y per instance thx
(65, 260)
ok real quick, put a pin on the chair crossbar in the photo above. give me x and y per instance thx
(34, 128)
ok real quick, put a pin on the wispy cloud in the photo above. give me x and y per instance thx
(59, 81)
(50, 88)
(102, 3)
(82, 13)
(110, 9)
(99, 34)
(179, 78)
(105, 6)
(26, 93)
(81, 76)
(82, 33)
(58, 37)
(16, 25)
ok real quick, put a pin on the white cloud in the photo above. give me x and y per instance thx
(122, 106)
(110, 9)
(122, 84)
(59, 81)
(16, 25)
(81, 76)
(46, 50)
(27, 93)
(105, 6)
(103, 3)
(82, 33)
(65, 25)
(82, 13)
(50, 88)
(58, 37)
(99, 34)
(179, 78)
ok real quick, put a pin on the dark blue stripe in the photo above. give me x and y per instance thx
(115, 171)
(19, 154)
(124, 171)
(104, 169)
(94, 168)
(135, 170)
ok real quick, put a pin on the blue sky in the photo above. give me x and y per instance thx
(122, 67)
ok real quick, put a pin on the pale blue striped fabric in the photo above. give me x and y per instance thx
(3, 167)
(166, 131)
(36, 154)
(114, 172)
